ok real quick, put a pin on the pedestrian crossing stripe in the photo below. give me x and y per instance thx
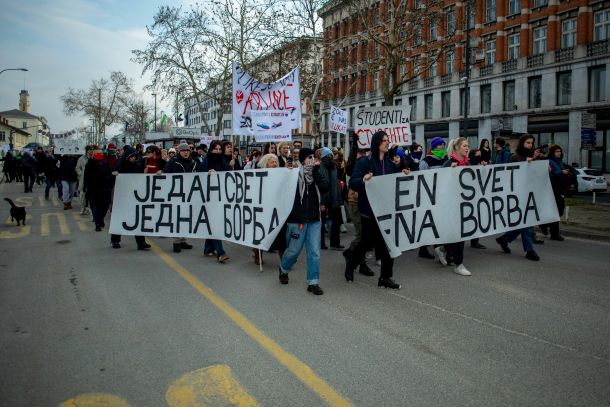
(45, 224)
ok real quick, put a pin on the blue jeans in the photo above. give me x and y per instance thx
(297, 236)
(49, 182)
(527, 237)
(210, 245)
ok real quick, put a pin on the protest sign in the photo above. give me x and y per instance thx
(69, 146)
(338, 120)
(245, 207)
(394, 120)
(449, 205)
(207, 139)
(271, 125)
(251, 95)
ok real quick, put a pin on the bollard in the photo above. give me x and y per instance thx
(593, 196)
(567, 213)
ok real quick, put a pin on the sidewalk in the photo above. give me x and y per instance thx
(586, 220)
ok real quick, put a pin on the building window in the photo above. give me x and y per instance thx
(226, 124)
(535, 92)
(540, 40)
(485, 98)
(428, 106)
(450, 57)
(376, 81)
(601, 25)
(564, 88)
(446, 104)
(514, 7)
(597, 83)
(433, 71)
(509, 95)
(471, 18)
(514, 42)
(2, 136)
(24, 125)
(490, 11)
(568, 33)
(450, 22)
(413, 103)
(540, 3)
(490, 52)
(417, 37)
(433, 33)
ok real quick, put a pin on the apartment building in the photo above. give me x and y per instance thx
(537, 66)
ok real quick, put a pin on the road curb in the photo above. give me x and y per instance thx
(585, 235)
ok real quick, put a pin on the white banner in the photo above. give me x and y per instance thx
(338, 120)
(449, 205)
(394, 120)
(251, 95)
(208, 139)
(271, 123)
(68, 146)
(245, 207)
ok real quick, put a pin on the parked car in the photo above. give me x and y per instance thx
(590, 180)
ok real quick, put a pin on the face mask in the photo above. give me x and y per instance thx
(98, 156)
(417, 155)
(439, 153)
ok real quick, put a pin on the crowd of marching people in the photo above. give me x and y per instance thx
(330, 192)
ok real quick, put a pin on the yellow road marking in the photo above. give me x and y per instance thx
(44, 224)
(303, 372)
(84, 222)
(22, 232)
(56, 201)
(95, 400)
(212, 386)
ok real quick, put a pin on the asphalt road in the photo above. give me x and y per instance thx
(78, 318)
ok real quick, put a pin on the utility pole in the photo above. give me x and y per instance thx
(99, 119)
(467, 75)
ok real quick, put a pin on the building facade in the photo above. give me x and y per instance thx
(536, 66)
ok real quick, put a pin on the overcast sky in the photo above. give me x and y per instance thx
(68, 43)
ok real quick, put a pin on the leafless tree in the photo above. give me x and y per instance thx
(103, 101)
(135, 116)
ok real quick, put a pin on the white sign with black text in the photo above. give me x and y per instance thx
(394, 120)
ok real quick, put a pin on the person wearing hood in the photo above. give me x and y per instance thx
(128, 164)
(331, 200)
(215, 161)
(97, 185)
(416, 153)
(181, 163)
(303, 224)
(524, 152)
(28, 165)
(375, 165)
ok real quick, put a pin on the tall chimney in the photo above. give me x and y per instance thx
(24, 101)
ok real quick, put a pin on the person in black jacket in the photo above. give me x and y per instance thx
(181, 163)
(97, 187)
(215, 161)
(377, 164)
(68, 177)
(29, 165)
(128, 164)
(303, 224)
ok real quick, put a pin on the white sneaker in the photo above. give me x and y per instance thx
(440, 254)
(461, 270)
(342, 228)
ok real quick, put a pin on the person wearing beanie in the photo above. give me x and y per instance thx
(524, 152)
(182, 163)
(303, 226)
(375, 165)
(331, 200)
(111, 156)
(437, 156)
(128, 164)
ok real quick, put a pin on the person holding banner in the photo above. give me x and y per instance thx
(181, 163)
(376, 164)
(524, 152)
(303, 224)
(128, 164)
(216, 160)
(227, 151)
(458, 157)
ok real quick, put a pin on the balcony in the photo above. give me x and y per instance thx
(486, 70)
(597, 48)
(414, 84)
(535, 60)
(509, 66)
(446, 79)
(564, 54)
(428, 82)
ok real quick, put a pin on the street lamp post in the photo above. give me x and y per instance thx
(155, 122)
(14, 69)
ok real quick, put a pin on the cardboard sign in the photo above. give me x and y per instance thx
(394, 120)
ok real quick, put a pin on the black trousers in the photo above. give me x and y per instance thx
(456, 250)
(371, 239)
(117, 239)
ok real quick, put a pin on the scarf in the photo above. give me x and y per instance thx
(460, 162)
(439, 153)
(417, 155)
(305, 178)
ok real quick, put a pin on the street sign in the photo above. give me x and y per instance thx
(587, 139)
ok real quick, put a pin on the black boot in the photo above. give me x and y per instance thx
(424, 253)
(365, 270)
(177, 248)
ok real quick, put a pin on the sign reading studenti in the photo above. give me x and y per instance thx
(245, 207)
(449, 205)
(250, 95)
(394, 120)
